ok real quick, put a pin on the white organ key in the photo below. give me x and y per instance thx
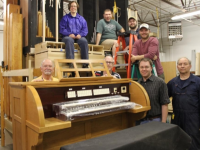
(96, 101)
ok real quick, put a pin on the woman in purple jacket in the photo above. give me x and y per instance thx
(73, 28)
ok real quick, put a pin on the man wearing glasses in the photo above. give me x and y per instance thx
(47, 68)
(110, 62)
(185, 91)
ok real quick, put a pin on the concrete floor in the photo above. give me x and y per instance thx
(8, 147)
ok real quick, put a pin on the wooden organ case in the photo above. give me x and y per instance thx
(35, 126)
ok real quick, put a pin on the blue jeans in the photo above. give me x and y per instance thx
(69, 47)
(147, 121)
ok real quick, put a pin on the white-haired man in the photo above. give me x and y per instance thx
(185, 91)
(110, 62)
(47, 68)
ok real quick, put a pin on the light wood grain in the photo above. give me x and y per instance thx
(169, 70)
(50, 133)
(2, 109)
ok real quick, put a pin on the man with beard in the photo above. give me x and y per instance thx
(47, 68)
(185, 91)
(106, 31)
(147, 47)
(132, 23)
(157, 91)
(110, 62)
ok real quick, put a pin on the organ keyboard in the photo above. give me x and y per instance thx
(93, 106)
(46, 116)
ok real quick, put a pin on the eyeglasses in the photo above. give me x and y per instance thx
(109, 62)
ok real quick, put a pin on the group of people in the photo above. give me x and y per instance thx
(184, 89)
(73, 28)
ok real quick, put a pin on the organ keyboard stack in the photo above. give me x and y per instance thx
(48, 115)
(93, 106)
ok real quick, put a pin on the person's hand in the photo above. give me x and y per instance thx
(105, 75)
(127, 48)
(38, 80)
(133, 58)
(155, 57)
(114, 77)
(78, 36)
(72, 36)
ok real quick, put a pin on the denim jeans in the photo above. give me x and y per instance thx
(147, 121)
(69, 47)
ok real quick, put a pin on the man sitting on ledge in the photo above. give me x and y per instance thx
(106, 31)
(109, 61)
(47, 68)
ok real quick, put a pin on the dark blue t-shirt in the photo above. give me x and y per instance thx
(127, 38)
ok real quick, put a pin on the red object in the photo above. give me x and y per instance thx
(127, 58)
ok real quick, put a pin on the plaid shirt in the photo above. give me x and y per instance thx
(158, 94)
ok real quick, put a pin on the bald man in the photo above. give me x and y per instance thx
(110, 63)
(185, 91)
(47, 68)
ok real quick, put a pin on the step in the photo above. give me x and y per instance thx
(122, 52)
(120, 65)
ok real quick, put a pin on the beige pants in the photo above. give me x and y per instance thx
(108, 44)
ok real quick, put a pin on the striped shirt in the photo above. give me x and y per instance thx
(158, 94)
(100, 73)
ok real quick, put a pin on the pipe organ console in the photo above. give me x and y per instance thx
(46, 116)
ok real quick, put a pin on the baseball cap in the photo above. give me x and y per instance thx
(144, 25)
(132, 18)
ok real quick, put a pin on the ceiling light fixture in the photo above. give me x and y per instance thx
(185, 15)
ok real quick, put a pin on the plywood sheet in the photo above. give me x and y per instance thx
(169, 70)
(11, 9)
(197, 68)
(15, 43)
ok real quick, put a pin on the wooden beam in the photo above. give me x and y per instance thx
(16, 73)
(2, 110)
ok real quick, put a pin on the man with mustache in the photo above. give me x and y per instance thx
(185, 91)
(47, 68)
(147, 47)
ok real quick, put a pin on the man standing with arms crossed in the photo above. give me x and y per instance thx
(147, 47)
(185, 91)
(106, 31)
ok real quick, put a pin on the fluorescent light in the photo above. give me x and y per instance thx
(186, 15)
(1, 23)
